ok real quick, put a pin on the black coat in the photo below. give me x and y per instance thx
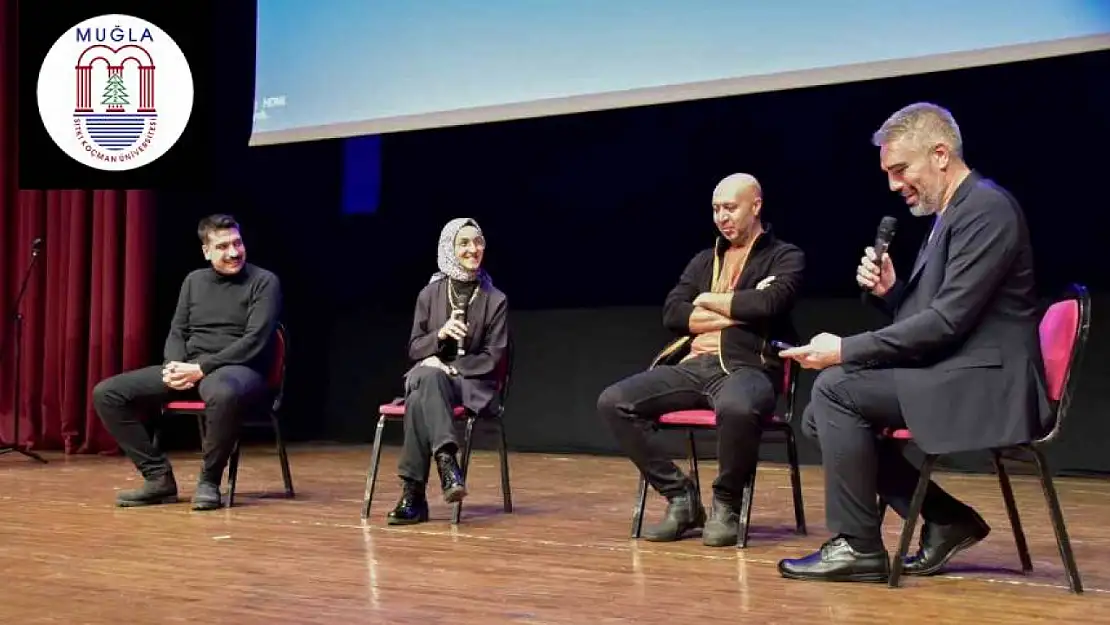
(485, 344)
(765, 314)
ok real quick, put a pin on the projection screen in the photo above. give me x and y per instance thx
(343, 68)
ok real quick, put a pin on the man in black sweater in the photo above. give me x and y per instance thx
(730, 302)
(219, 347)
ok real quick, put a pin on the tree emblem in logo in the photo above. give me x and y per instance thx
(115, 94)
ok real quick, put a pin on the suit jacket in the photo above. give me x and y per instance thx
(486, 342)
(964, 342)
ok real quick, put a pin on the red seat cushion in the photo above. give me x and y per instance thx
(700, 418)
(398, 410)
(690, 418)
(901, 435)
(185, 406)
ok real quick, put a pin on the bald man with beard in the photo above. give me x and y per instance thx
(731, 301)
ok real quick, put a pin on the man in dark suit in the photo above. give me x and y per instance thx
(960, 365)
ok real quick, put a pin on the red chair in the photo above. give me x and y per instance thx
(276, 383)
(692, 421)
(1063, 333)
(395, 411)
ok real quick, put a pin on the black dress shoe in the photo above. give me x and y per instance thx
(838, 561)
(450, 477)
(684, 513)
(412, 508)
(940, 542)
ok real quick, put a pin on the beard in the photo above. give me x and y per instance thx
(928, 203)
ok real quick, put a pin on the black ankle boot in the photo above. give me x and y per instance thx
(723, 527)
(684, 513)
(450, 477)
(412, 507)
(156, 490)
(207, 495)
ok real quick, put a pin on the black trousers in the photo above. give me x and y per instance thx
(847, 409)
(740, 400)
(430, 397)
(228, 393)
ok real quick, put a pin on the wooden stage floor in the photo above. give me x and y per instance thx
(69, 556)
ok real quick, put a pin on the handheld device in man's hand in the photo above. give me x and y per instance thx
(781, 345)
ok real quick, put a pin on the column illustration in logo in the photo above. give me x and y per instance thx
(128, 96)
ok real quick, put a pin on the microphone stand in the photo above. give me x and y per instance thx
(17, 337)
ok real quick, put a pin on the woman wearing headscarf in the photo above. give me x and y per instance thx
(459, 336)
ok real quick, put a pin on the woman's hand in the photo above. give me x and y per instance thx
(454, 328)
(434, 361)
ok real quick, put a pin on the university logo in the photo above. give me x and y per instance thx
(115, 92)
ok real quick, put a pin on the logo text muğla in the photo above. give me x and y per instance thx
(115, 35)
(120, 116)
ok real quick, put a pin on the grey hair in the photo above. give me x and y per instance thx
(921, 121)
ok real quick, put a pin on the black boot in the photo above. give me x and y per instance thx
(684, 513)
(450, 476)
(723, 527)
(412, 508)
(207, 496)
(156, 490)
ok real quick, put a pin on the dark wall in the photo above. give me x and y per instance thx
(591, 217)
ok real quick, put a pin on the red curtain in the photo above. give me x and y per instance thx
(88, 304)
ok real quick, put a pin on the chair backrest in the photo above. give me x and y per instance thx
(276, 379)
(1063, 336)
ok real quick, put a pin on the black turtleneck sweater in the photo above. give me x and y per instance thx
(225, 319)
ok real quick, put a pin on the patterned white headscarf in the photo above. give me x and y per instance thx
(448, 262)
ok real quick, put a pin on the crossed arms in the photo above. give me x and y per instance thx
(689, 310)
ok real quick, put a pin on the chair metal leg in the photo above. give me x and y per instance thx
(1012, 511)
(232, 474)
(746, 512)
(372, 475)
(283, 456)
(468, 438)
(641, 503)
(693, 451)
(1053, 501)
(503, 451)
(910, 522)
(795, 482)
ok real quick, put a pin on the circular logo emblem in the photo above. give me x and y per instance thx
(115, 92)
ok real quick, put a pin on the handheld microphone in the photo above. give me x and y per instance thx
(459, 314)
(887, 226)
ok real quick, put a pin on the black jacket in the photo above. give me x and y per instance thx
(963, 344)
(486, 341)
(765, 314)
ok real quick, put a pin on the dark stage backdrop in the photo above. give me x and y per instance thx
(590, 218)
